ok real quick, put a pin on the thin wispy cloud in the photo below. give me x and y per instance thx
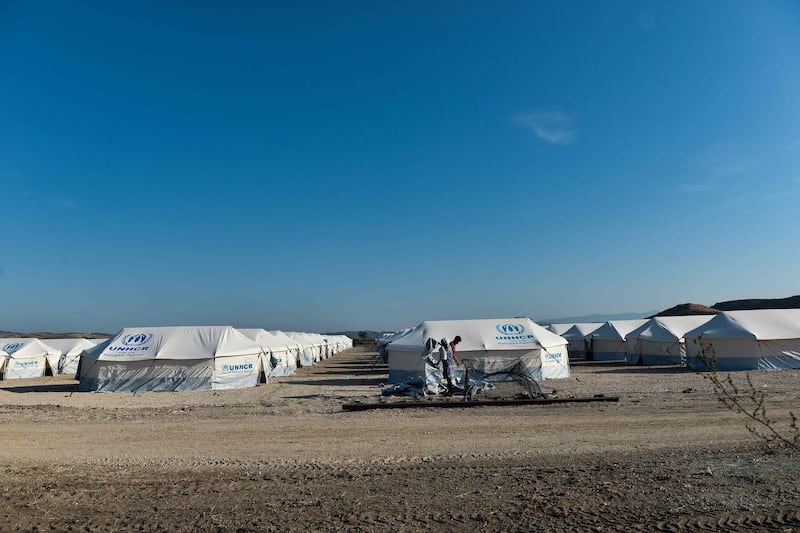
(725, 159)
(730, 168)
(717, 167)
(552, 127)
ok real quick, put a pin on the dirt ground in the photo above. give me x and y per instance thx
(285, 457)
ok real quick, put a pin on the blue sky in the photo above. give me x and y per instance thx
(323, 166)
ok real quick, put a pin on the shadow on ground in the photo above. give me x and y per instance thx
(647, 370)
(344, 382)
(54, 387)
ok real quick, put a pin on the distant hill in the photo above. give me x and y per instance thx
(688, 309)
(792, 302)
(592, 318)
(370, 335)
(48, 335)
(358, 335)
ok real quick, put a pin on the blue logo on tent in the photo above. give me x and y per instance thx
(510, 329)
(136, 339)
(12, 347)
(243, 367)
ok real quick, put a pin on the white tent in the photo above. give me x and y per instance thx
(309, 350)
(339, 343)
(659, 341)
(69, 351)
(25, 358)
(387, 338)
(607, 343)
(345, 342)
(560, 328)
(295, 348)
(172, 359)
(321, 345)
(577, 336)
(502, 339)
(279, 352)
(765, 339)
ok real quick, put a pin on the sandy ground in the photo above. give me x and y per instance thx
(285, 457)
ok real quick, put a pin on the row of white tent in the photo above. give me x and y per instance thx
(33, 358)
(765, 339)
(159, 358)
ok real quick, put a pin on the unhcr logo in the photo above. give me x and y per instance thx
(25, 364)
(136, 339)
(512, 334)
(135, 342)
(237, 368)
(12, 347)
(510, 329)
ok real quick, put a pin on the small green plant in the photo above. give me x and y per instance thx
(747, 400)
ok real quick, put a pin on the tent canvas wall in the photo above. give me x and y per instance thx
(26, 358)
(765, 339)
(172, 359)
(388, 338)
(341, 342)
(577, 336)
(309, 351)
(295, 348)
(70, 352)
(321, 345)
(482, 340)
(660, 340)
(278, 356)
(607, 343)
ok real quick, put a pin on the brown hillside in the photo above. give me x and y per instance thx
(48, 335)
(792, 302)
(688, 309)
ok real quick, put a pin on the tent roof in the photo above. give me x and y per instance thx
(580, 331)
(561, 328)
(267, 339)
(760, 324)
(482, 334)
(303, 338)
(617, 329)
(668, 328)
(386, 338)
(73, 346)
(181, 342)
(25, 347)
(283, 337)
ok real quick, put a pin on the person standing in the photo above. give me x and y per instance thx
(447, 355)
